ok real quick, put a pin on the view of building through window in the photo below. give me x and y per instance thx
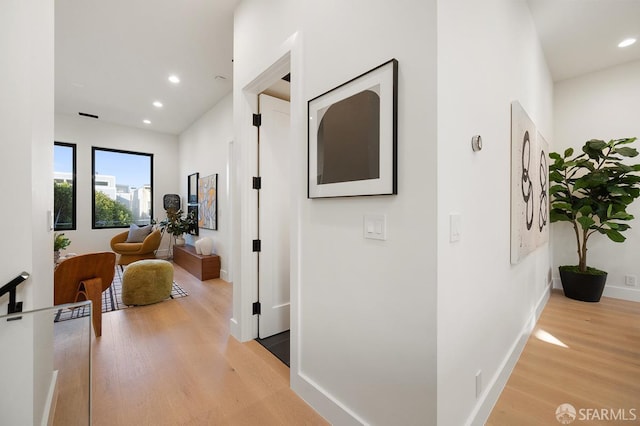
(64, 186)
(122, 191)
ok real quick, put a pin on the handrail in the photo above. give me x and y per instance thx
(10, 288)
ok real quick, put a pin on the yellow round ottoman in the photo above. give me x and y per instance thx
(147, 281)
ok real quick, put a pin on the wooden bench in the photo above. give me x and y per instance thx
(200, 266)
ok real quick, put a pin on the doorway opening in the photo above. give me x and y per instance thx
(273, 222)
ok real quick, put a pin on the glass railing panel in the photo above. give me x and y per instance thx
(46, 367)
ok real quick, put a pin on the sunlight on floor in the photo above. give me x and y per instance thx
(549, 338)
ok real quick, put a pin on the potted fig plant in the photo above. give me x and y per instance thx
(177, 225)
(592, 190)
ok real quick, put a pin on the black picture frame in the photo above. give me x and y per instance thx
(192, 188)
(353, 136)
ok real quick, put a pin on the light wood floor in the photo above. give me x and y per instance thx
(599, 367)
(174, 363)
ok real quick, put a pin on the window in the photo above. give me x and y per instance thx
(64, 186)
(122, 188)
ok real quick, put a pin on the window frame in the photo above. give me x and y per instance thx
(93, 183)
(74, 186)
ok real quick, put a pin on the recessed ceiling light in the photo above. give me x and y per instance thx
(174, 79)
(146, 121)
(627, 42)
(157, 104)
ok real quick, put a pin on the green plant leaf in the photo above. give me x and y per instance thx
(593, 148)
(559, 193)
(623, 167)
(626, 151)
(568, 152)
(554, 156)
(615, 235)
(586, 222)
(556, 177)
(625, 141)
(585, 210)
(563, 206)
(584, 163)
(591, 180)
(621, 216)
(559, 216)
(617, 190)
(633, 192)
(623, 227)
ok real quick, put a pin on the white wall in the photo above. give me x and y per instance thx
(600, 105)
(364, 311)
(204, 148)
(26, 133)
(488, 56)
(87, 133)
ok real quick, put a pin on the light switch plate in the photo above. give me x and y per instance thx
(375, 226)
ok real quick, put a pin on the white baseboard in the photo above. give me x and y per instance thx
(224, 275)
(52, 399)
(318, 398)
(624, 293)
(490, 396)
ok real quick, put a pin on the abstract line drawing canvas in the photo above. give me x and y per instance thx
(208, 202)
(542, 180)
(525, 184)
(353, 136)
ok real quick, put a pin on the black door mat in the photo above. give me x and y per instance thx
(278, 345)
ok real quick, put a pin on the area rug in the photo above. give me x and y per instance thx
(112, 299)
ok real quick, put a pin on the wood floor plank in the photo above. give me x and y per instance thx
(599, 368)
(174, 363)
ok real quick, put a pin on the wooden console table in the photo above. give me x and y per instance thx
(198, 265)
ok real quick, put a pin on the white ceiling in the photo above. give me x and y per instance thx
(113, 57)
(582, 36)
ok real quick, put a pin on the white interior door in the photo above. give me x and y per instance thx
(273, 215)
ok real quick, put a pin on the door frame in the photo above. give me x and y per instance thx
(287, 59)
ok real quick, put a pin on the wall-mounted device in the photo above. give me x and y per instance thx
(476, 143)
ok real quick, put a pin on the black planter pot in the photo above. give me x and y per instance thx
(584, 287)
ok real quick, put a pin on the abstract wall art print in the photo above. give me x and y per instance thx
(542, 213)
(353, 136)
(208, 202)
(529, 185)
